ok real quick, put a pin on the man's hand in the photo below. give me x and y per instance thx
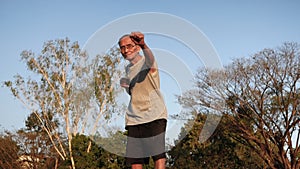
(138, 38)
(124, 82)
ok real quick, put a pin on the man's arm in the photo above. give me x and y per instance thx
(138, 39)
(149, 57)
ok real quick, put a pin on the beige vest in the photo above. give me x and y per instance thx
(146, 101)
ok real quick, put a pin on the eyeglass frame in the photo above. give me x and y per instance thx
(128, 47)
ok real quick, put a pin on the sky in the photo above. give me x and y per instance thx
(234, 28)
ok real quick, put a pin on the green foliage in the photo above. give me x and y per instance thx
(114, 146)
(85, 152)
(219, 151)
(88, 154)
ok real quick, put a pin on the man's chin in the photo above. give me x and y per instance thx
(130, 57)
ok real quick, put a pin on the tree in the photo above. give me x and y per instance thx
(9, 152)
(260, 96)
(86, 153)
(219, 151)
(35, 145)
(89, 154)
(114, 145)
(68, 88)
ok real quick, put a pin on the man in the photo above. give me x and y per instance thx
(146, 116)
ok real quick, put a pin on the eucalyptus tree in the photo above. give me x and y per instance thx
(67, 90)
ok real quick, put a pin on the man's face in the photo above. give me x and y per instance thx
(129, 49)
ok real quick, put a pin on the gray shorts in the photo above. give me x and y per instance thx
(144, 141)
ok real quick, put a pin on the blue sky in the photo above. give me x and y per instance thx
(235, 28)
